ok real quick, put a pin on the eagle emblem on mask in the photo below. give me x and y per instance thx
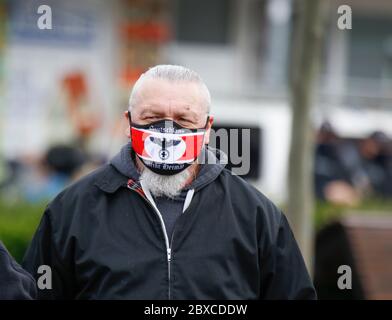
(163, 149)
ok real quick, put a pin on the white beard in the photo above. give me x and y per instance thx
(161, 185)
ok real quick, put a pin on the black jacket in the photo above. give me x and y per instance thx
(15, 283)
(103, 240)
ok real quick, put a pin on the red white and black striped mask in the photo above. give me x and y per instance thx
(166, 147)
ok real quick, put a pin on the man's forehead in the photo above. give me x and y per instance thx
(167, 106)
(156, 94)
(162, 86)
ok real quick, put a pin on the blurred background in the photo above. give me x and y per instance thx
(63, 92)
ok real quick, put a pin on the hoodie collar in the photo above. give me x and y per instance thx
(111, 180)
(125, 170)
(124, 163)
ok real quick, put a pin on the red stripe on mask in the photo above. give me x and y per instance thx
(138, 137)
(193, 146)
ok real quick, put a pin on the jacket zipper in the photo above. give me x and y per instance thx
(171, 246)
(168, 245)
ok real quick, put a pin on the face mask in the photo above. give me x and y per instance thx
(165, 147)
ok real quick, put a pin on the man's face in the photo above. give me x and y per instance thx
(183, 103)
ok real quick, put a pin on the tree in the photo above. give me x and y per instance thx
(309, 26)
(2, 49)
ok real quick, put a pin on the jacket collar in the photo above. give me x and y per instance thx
(121, 170)
(111, 180)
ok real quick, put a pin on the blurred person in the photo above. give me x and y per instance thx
(92, 162)
(34, 178)
(9, 183)
(15, 283)
(346, 172)
(73, 117)
(52, 174)
(164, 219)
(376, 160)
(25, 173)
(340, 177)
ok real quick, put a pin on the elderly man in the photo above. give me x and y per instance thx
(164, 219)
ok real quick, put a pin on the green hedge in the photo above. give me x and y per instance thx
(18, 223)
(326, 212)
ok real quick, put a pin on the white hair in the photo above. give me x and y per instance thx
(160, 185)
(172, 73)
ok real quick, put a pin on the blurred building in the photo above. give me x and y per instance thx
(71, 83)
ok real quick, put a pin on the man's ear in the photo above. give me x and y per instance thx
(128, 129)
(208, 129)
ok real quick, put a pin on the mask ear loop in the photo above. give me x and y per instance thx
(129, 119)
(208, 119)
(205, 128)
(133, 153)
(204, 135)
